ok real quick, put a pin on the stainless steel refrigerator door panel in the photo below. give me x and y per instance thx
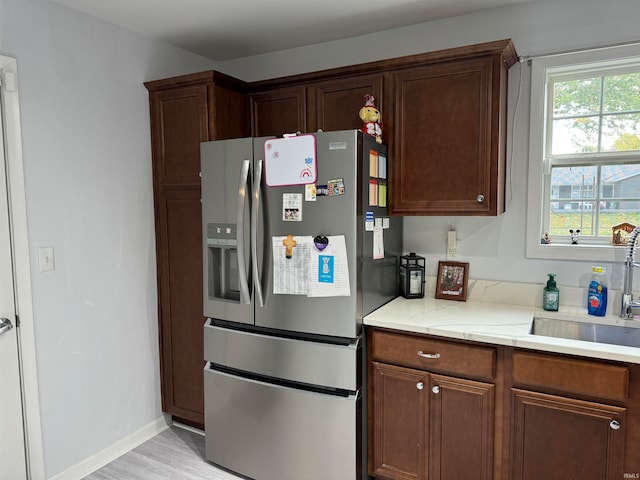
(227, 169)
(308, 362)
(337, 158)
(271, 432)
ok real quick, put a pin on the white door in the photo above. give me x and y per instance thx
(12, 439)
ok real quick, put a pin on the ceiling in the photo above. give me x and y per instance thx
(222, 30)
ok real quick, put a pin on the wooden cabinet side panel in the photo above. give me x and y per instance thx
(178, 220)
(230, 114)
(400, 422)
(557, 437)
(179, 122)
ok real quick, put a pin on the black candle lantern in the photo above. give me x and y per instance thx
(412, 276)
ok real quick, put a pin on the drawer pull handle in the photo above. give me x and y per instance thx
(419, 385)
(615, 425)
(436, 389)
(428, 355)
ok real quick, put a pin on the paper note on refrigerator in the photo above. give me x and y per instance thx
(291, 275)
(378, 242)
(329, 270)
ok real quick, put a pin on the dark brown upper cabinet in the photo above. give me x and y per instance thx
(277, 111)
(449, 124)
(335, 104)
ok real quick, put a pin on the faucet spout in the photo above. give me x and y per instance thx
(628, 304)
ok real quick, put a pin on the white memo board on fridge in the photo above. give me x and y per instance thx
(290, 160)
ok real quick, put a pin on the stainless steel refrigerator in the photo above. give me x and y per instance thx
(285, 361)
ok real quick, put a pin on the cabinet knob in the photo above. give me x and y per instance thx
(419, 385)
(436, 389)
(480, 198)
(615, 425)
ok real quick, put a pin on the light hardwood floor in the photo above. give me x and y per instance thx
(175, 454)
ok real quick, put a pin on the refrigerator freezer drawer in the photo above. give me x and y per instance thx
(304, 361)
(272, 432)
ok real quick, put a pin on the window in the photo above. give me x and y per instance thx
(584, 164)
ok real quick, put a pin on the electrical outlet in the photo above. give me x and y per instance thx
(46, 261)
(452, 244)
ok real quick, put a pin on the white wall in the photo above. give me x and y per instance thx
(85, 127)
(495, 247)
(87, 160)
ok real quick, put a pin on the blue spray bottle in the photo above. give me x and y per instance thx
(597, 296)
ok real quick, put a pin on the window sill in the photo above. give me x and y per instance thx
(591, 253)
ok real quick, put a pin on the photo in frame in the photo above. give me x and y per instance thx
(452, 279)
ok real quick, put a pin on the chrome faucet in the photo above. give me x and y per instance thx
(629, 306)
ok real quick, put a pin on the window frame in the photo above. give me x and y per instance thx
(538, 134)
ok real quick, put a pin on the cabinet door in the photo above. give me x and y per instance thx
(446, 134)
(179, 243)
(279, 111)
(461, 429)
(179, 122)
(557, 437)
(400, 402)
(335, 104)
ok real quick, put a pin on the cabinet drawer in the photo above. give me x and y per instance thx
(581, 377)
(434, 355)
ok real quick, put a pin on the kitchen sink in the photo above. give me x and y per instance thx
(586, 330)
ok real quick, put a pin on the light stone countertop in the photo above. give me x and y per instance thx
(496, 322)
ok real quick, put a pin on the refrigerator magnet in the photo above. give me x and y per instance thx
(335, 187)
(292, 207)
(325, 268)
(310, 192)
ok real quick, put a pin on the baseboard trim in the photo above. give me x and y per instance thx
(109, 454)
(188, 428)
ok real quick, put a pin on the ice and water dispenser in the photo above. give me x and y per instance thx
(222, 262)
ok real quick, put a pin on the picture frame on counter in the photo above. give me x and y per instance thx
(452, 280)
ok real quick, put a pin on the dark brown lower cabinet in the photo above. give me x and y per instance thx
(181, 323)
(461, 418)
(400, 422)
(429, 426)
(564, 438)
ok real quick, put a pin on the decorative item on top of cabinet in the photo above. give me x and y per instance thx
(185, 111)
(371, 118)
(450, 132)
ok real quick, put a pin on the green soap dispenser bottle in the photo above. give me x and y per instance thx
(551, 294)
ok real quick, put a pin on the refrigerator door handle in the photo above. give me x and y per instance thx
(245, 296)
(257, 281)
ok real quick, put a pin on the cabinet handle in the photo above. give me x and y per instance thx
(615, 425)
(480, 198)
(419, 385)
(436, 389)
(428, 355)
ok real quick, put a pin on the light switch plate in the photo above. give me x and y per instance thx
(46, 260)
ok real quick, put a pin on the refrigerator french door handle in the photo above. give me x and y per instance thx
(245, 296)
(255, 211)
